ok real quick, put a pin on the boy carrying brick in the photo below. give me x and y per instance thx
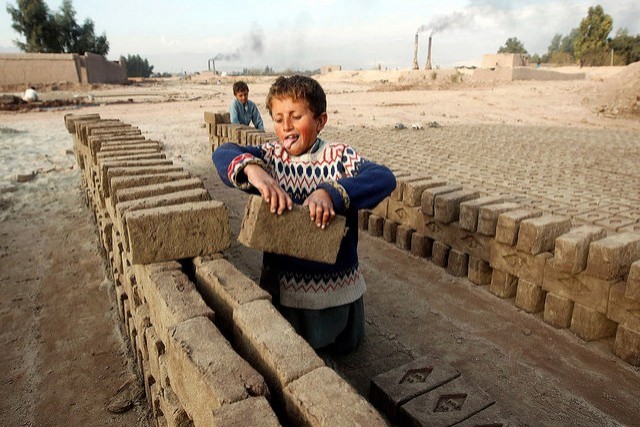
(243, 110)
(322, 301)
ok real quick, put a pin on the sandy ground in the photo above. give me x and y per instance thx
(65, 360)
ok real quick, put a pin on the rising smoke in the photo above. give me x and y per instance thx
(251, 45)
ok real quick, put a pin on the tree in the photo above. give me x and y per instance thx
(32, 19)
(590, 46)
(513, 45)
(137, 67)
(625, 46)
(59, 33)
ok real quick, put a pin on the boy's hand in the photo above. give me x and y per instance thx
(271, 192)
(320, 207)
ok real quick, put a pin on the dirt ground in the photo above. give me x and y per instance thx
(66, 362)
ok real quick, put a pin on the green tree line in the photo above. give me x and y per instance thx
(589, 44)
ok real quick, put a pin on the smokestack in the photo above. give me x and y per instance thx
(415, 54)
(428, 66)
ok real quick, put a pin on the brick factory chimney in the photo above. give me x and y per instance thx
(428, 66)
(415, 54)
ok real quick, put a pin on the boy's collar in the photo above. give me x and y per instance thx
(316, 145)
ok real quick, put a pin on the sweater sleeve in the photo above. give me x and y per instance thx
(363, 186)
(231, 159)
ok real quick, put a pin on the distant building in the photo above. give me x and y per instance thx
(46, 68)
(329, 68)
(504, 60)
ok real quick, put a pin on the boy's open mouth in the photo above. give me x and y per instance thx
(289, 141)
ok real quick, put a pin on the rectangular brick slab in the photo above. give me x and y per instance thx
(291, 233)
(393, 389)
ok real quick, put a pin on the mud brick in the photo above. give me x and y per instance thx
(323, 398)
(254, 411)
(171, 409)
(291, 233)
(508, 224)
(177, 198)
(421, 245)
(217, 118)
(144, 191)
(470, 209)
(403, 237)
(84, 129)
(155, 396)
(557, 310)
(632, 290)
(397, 192)
(450, 404)
(440, 253)
(627, 345)
(521, 264)
(621, 309)
(458, 263)
(612, 257)
(412, 192)
(122, 182)
(126, 157)
(233, 134)
(590, 325)
(205, 372)
(582, 288)
(376, 225)
(225, 288)
(489, 417)
(363, 219)
(244, 133)
(410, 216)
(132, 171)
(381, 208)
(71, 119)
(427, 201)
(393, 389)
(530, 296)
(488, 216)
(172, 299)
(271, 345)
(178, 231)
(572, 248)
(155, 349)
(447, 206)
(537, 235)
(479, 272)
(107, 164)
(136, 154)
(389, 231)
(503, 284)
(98, 144)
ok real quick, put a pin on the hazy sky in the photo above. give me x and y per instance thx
(177, 36)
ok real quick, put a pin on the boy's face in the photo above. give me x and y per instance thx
(242, 96)
(295, 125)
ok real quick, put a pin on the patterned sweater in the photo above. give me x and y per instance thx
(352, 182)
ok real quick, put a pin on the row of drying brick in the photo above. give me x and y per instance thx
(220, 129)
(193, 373)
(579, 278)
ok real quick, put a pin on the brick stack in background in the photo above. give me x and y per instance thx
(575, 275)
(208, 343)
(220, 130)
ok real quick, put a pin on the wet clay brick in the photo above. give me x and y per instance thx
(530, 297)
(469, 211)
(393, 389)
(503, 284)
(557, 310)
(178, 231)
(403, 237)
(123, 182)
(479, 271)
(488, 216)
(537, 235)
(508, 224)
(156, 189)
(421, 245)
(323, 398)
(445, 406)
(621, 309)
(447, 206)
(389, 231)
(611, 257)
(632, 290)
(412, 193)
(291, 233)
(205, 372)
(440, 253)
(254, 411)
(627, 345)
(458, 263)
(376, 225)
(427, 202)
(590, 325)
(572, 248)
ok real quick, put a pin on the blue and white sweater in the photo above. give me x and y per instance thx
(352, 182)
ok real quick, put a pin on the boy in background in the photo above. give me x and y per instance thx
(323, 302)
(242, 110)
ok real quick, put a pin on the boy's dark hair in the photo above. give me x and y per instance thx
(299, 87)
(240, 86)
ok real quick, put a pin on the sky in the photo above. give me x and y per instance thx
(194, 35)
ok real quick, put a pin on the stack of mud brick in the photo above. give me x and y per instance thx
(575, 276)
(207, 341)
(221, 130)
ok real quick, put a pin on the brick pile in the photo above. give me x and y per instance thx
(208, 343)
(577, 276)
(220, 129)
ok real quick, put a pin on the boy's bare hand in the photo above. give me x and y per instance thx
(320, 207)
(271, 192)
